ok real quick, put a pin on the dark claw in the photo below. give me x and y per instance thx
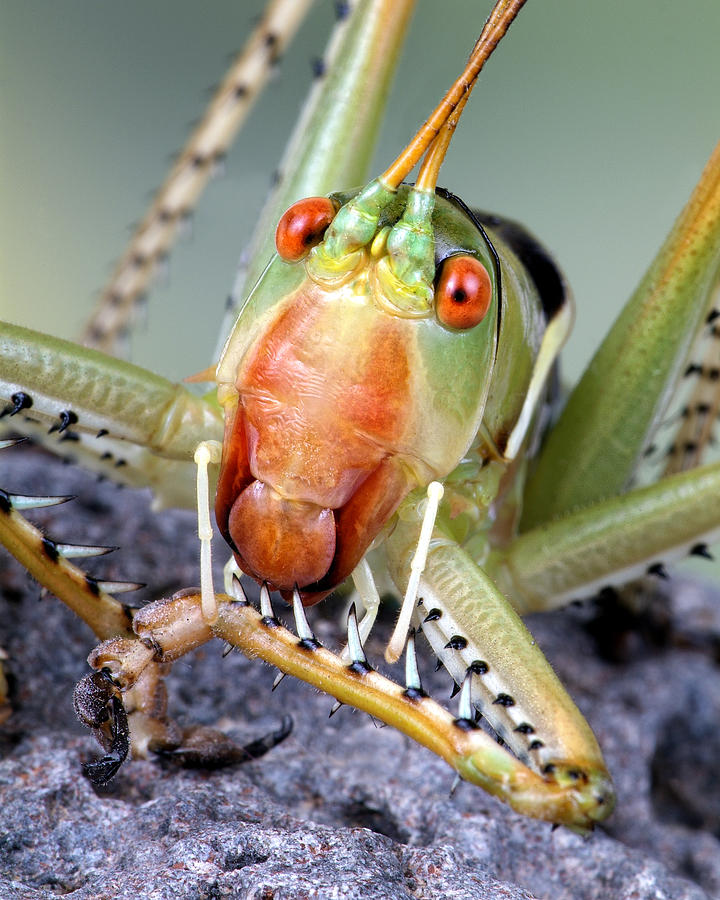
(207, 748)
(99, 706)
(102, 770)
(261, 746)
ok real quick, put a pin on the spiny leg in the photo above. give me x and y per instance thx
(120, 419)
(97, 703)
(48, 562)
(477, 635)
(697, 419)
(611, 542)
(576, 541)
(172, 627)
(595, 447)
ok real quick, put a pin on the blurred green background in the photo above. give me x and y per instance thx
(590, 125)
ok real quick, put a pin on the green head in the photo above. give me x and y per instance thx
(342, 395)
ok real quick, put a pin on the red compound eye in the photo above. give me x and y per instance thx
(463, 292)
(302, 226)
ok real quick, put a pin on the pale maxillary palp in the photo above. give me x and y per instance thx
(395, 647)
(206, 453)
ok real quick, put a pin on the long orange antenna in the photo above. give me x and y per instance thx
(501, 17)
(430, 168)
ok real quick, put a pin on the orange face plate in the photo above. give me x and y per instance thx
(311, 470)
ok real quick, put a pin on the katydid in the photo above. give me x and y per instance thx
(410, 345)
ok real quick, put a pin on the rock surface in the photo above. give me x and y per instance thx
(341, 809)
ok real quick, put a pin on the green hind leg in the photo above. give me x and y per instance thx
(611, 542)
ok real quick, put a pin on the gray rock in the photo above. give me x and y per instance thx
(342, 808)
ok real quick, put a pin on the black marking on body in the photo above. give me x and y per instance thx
(456, 642)
(309, 644)
(540, 265)
(702, 551)
(67, 418)
(319, 67)
(433, 615)
(102, 433)
(712, 315)
(414, 693)
(577, 775)
(92, 585)
(659, 571)
(270, 622)
(548, 769)
(342, 10)
(536, 745)
(479, 667)
(466, 724)
(18, 402)
(50, 549)
(271, 42)
(525, 728)
(5, 502)
(359, 667)
(504, 700)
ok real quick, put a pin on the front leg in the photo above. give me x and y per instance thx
(124, 701)
(574, 795)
